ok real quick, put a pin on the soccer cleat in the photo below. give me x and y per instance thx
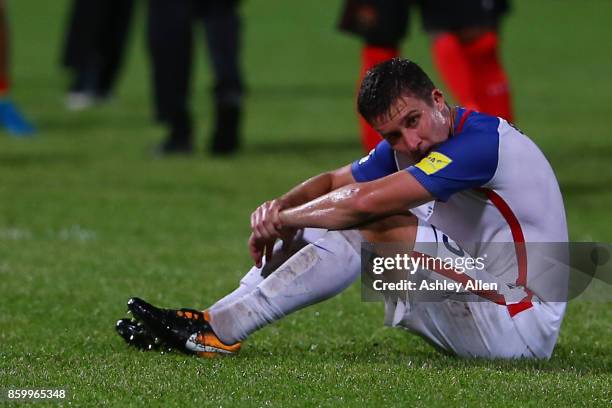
(187, 330)
(137, 335)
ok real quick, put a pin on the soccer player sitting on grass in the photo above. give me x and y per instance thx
(491, 184)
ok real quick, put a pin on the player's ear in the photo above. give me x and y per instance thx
(438, 98)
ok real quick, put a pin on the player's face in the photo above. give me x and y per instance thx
(413, 127)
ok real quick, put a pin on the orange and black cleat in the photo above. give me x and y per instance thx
(137, 335)
(187, 330)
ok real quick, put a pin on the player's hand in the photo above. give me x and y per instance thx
(260, 247)
(266, 228)
(265, 221)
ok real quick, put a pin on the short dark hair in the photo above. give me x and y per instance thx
(388, 81)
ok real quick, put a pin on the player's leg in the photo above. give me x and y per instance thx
(95, 41)
(80, 52)
(455, 68)
(465, 51)
(313, 272)
(282, 252)
(112, 45)
(223, 29)
(492, 90)
(316, 272)
(381, 25)
(170, 46)
(441, 19)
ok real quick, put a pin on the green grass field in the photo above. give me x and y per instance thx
(89, 219)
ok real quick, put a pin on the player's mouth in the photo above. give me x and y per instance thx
(422, 150)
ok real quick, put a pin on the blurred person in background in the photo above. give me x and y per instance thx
(95, 42)
(465, 47)
(170, 37)
(11, 119)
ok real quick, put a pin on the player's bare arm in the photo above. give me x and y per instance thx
(265, 222)
(357, 203)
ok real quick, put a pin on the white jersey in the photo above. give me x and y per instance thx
(493, 185)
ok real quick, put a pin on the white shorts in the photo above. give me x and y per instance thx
(457, 327)
(481, 329)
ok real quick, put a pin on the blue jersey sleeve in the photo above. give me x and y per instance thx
(380, 162)
(467, 160)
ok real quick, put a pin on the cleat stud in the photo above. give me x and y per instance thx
(131, 337)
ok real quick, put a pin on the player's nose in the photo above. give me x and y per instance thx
(412, 142)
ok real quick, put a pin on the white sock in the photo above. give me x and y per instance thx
(316, 272)
(279, 256)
